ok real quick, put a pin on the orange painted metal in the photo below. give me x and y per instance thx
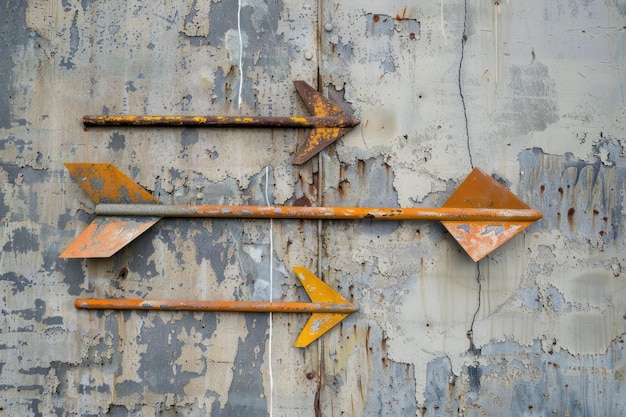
(104, 236)
(328, 307)
(480, 191)
(329, 122)
(327, 213)
(318, 291)
(105, 183)
(214, 306)
(481, 214)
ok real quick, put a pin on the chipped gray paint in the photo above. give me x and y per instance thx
(528, 91)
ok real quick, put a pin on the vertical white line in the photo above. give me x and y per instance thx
(269, 349)
(442, 25)
(497, 12)
(240, 53)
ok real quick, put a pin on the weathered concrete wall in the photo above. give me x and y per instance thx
(532, 92)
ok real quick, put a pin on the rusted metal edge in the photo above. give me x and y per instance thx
(333, 120)
(329, 122)
(329, 213)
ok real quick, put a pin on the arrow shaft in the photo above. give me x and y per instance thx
(330, 213)
(214, 306)
(219, 121)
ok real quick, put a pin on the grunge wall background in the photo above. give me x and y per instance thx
(532, 92)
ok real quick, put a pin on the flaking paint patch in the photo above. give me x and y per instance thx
(246, 392)
(189, 137)
(66, 61)
(13, 25)
(197, 19)
(272, 56)
(22, 241)
(18, 282)
(159, 370)
(394, 256)
(143, 250)
(117, 142)
(580, 201)
(538, 382)
(569, 384)
(533, 102)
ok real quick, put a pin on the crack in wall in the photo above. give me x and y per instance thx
(463, 40)
(474, 371)
(470, 332)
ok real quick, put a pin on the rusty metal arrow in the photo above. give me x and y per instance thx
(328, 307)
(481, 214)
(329, 122)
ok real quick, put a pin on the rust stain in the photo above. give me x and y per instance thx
(329, 122)
(570, 217)
(401, 16)
(303, 201)
(361, 170)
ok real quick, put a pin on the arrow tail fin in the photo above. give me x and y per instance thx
(105, 183)
(106, 235)
(321, 137)
(480, 190)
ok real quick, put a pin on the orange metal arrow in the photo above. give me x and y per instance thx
(481, 214)
(329, 122)
(328, 306)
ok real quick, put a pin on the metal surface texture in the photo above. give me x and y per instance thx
(328, 307)
(444, 214)
(329, 122)
(485, 216)
(530, 91)
(212, 306)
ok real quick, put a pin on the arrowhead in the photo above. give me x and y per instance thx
(479, 190)
(321, 137)
(318, 291)
(318, 324)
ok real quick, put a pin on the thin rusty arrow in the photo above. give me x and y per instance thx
(329, 122)
(481, 214)
(328, 307)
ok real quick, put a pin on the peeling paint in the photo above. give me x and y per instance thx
(531, 93)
